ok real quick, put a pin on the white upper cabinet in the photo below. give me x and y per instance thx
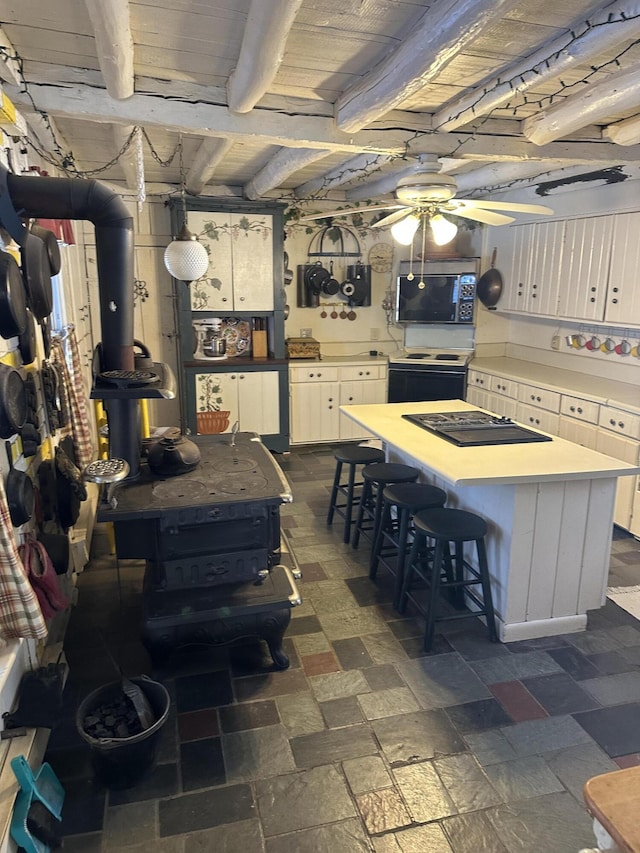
(585, 267)
(623, 294)
(240, 273)
(532, 276)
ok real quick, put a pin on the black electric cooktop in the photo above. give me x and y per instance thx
(475, 428)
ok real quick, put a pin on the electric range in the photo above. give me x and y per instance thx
(475, 428)
(419, 373)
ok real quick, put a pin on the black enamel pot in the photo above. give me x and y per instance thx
(20, 493)
(51, 245)
(27, 341)
(13, 401)
(173, 454)
(13, 299)
(142, 360)
(36, 272)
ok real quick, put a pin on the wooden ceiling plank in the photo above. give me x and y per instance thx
(261, 52)
(286, 162)
(9, 67)
(443, 31)
(618, 92)
(605, 28)
(114, 44)
(382, 186)
(203, 166)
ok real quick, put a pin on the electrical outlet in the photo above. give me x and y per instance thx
(305, 333)
(555, 342)
(374, 335)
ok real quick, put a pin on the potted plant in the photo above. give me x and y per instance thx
(210, 416)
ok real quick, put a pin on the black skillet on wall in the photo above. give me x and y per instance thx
(36, 271)
(20, 492)
(13, 299)
(27, 341)
(51, 245)
(489, 287)
(13, 401)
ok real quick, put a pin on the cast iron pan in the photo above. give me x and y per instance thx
(37, 275)
(13, 401)
(13, 299)
(45, 326)
(489, 287)
(20, 493)
(27, 341)
(51, 245)
(316, 276)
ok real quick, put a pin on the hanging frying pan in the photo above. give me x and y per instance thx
(27, 341)
(331, 285)
(13, 401)
(51, 245)
(45, 328)
(20, 492)
(37, 275)
(489, 288)
(13, 299)
(316, 276)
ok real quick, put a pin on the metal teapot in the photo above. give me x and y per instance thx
(173, 454)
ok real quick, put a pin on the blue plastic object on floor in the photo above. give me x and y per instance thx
(43, 787)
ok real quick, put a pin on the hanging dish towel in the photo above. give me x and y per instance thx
(43, 577)
(20, 614)
(64, 351)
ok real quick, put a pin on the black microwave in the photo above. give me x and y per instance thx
(436, 291)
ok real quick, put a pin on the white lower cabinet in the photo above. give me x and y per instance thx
(536, 418)
(316, 393)
(627, 449)
(251, 398)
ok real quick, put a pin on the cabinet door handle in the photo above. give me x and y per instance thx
(572, 408)
(360, 373)
(621, 424)
(241, 376)
(242, 299)
(612, 422)
(579, 410)
(615, 301)
(350, 399)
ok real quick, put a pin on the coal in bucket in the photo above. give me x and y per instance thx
(122, 762)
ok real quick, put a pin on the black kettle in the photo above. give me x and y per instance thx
(173, 454)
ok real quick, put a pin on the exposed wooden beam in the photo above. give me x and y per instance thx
(114, 44)
(263, 43)
(614, 23)
(500, 174)
(284, 163)
(127, 162)
(443, 32)
(385, 184)
(619, 92)
(355, 167)
(9, 68)
(202, 169)
(625, 132)
(265, 126)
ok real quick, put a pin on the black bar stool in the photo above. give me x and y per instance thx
(375, 478)
(444, 572)
(392, 537)
(351, 456)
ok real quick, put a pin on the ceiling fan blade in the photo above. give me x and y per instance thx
(504, 205)
(334, 214)
(486, 216)
(396, 216)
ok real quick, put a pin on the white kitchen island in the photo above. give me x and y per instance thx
(549, 507)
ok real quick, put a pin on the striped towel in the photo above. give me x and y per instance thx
(20, 614)
(64, 352)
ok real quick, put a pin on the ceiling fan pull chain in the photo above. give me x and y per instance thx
(424, 243)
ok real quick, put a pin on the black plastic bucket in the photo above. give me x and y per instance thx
(122, 762)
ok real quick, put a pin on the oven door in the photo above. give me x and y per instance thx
(413, 386)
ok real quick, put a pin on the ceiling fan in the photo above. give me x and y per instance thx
(427, 197)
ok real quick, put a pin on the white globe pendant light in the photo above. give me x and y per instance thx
(186, 258)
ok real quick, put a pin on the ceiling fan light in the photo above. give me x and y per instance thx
(443, 229)
(404, 231)
(185, 258)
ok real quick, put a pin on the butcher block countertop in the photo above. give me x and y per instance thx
(626, 395)
(501, 464)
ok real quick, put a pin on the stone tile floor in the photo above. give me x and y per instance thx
(364, 743)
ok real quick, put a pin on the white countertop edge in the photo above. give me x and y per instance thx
(559, 460)
(621, 395)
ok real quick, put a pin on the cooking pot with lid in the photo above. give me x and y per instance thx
(173, 454)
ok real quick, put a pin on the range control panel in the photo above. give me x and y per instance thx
(466, 297)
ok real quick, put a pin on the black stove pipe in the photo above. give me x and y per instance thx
(78, 198)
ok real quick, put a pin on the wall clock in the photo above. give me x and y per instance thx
(381, 257)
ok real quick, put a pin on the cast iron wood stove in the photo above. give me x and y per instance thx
(211, 541)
